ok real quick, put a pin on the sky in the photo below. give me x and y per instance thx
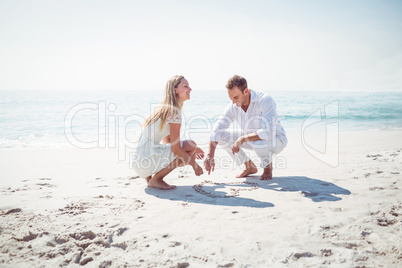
(348, 45)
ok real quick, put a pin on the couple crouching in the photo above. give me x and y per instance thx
(160, 149)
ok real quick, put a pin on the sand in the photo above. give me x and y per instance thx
(77, 207)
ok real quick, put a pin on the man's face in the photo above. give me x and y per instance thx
(237, 97)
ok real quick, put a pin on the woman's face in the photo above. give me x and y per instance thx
(183, 90)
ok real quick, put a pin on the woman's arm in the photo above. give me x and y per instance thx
(176, 146)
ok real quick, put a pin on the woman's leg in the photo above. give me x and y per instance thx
(157, 181)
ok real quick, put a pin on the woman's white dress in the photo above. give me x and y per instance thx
(151, 156)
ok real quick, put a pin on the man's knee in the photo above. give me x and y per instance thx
(226, 138)
(261, 145)
(265, 147)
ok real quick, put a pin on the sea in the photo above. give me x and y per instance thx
(108, 119)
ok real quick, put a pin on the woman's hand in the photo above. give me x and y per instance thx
(198, 170)
(199, 154)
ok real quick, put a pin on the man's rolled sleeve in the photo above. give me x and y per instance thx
(262, 134)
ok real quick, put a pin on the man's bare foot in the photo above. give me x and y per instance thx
(249, 169)
(247, 172)
(160, 184)
(148, 179)
(267, 174)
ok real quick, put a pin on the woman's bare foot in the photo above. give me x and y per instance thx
(267, 174)
(161, 184)
(248, 170)
(157, 181)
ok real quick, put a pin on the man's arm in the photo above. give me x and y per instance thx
(209, 163)
(222, 124)
(250, 137)
(269, 119)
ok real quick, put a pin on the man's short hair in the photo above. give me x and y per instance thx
(237, 81)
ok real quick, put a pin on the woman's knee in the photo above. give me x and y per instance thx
(189, 145)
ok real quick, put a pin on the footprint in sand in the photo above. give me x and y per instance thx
(30, 236)
(373, 155)
(302, 255)
(14, 210)
(376, 188)
(44, 182)
(326, 252)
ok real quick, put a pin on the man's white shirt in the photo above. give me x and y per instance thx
(261, 118)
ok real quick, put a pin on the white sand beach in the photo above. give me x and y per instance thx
(77, 207)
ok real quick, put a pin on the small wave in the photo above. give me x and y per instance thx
(34, 141)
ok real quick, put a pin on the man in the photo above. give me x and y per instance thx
(261, 130)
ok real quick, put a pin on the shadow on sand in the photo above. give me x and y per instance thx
(316, 190)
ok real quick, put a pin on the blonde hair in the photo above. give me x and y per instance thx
(169, 104)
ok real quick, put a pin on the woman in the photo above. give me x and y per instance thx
(155, 159)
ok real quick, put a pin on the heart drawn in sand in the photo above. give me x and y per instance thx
(234, 192)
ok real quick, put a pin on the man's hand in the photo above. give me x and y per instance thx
(209, 164)
(236, 145)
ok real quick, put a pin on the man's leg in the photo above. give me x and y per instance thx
(267, 174)
(226, 141)
(265, 149)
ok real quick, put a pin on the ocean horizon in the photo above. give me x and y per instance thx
(103, 119)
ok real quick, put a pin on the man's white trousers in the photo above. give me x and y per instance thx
(263, 148)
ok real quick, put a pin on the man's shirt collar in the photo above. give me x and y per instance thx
(254, 96)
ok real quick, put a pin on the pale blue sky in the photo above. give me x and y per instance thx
(139, 45)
